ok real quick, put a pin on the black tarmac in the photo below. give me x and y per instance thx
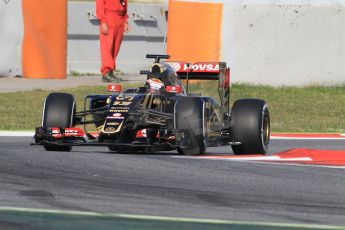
(91, 179)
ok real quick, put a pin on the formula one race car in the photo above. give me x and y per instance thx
(160, 116)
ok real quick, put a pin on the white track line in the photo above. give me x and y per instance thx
(17, 134)
(259, 158)
(267, 160)
(276, 162)
(295, 164)
(307, 138)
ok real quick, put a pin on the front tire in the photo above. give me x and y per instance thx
(189, 122)
(59, 110)
(250, 126)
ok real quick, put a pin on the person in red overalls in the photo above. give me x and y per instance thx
(113, 18)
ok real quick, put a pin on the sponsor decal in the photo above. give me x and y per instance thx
(127, 98)
(113, 118)
(173, 89)
(125, 101)
(117, 115)
(56, 133)
(155, 83)
(119, 107)
(115, 129)
(74, 132)
(119, 98)
(114, 88)
(122, 103)
(196, 67)
(113, 123)
(176, 66)
(118, 110)
(68, 132)
(110, 129)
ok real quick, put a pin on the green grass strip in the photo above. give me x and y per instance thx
(313, 109)
(61, 219)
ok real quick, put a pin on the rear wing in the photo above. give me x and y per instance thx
(207, 71)
(200, 70)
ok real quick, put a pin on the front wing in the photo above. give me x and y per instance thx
(77, 137)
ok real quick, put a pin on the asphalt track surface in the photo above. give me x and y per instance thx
(94, 180)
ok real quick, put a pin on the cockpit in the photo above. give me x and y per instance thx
(163, 75)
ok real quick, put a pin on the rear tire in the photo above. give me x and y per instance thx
(189, 115)
(59, 110)
(251, 126)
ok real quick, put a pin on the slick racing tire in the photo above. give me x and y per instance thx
(250, 126)
(190, 126)
(59, 110)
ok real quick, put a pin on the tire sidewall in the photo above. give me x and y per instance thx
(248, 121)
(189, 114)
(58, 111)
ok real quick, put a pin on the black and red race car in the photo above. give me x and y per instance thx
(161, 115)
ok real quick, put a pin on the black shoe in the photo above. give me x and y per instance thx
(107, 77)
(115, 78)
(110, 77)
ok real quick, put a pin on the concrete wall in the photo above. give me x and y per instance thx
(263, 41)
(147, 34)
(11, 34)
(290, 42)
(295, 43)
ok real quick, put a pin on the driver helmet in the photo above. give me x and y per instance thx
(155, 85)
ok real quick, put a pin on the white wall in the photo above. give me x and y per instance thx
(290, 42)
(11, 35)
(146, 35)
(285, 42)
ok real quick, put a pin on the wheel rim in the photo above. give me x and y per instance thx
(265, 128)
